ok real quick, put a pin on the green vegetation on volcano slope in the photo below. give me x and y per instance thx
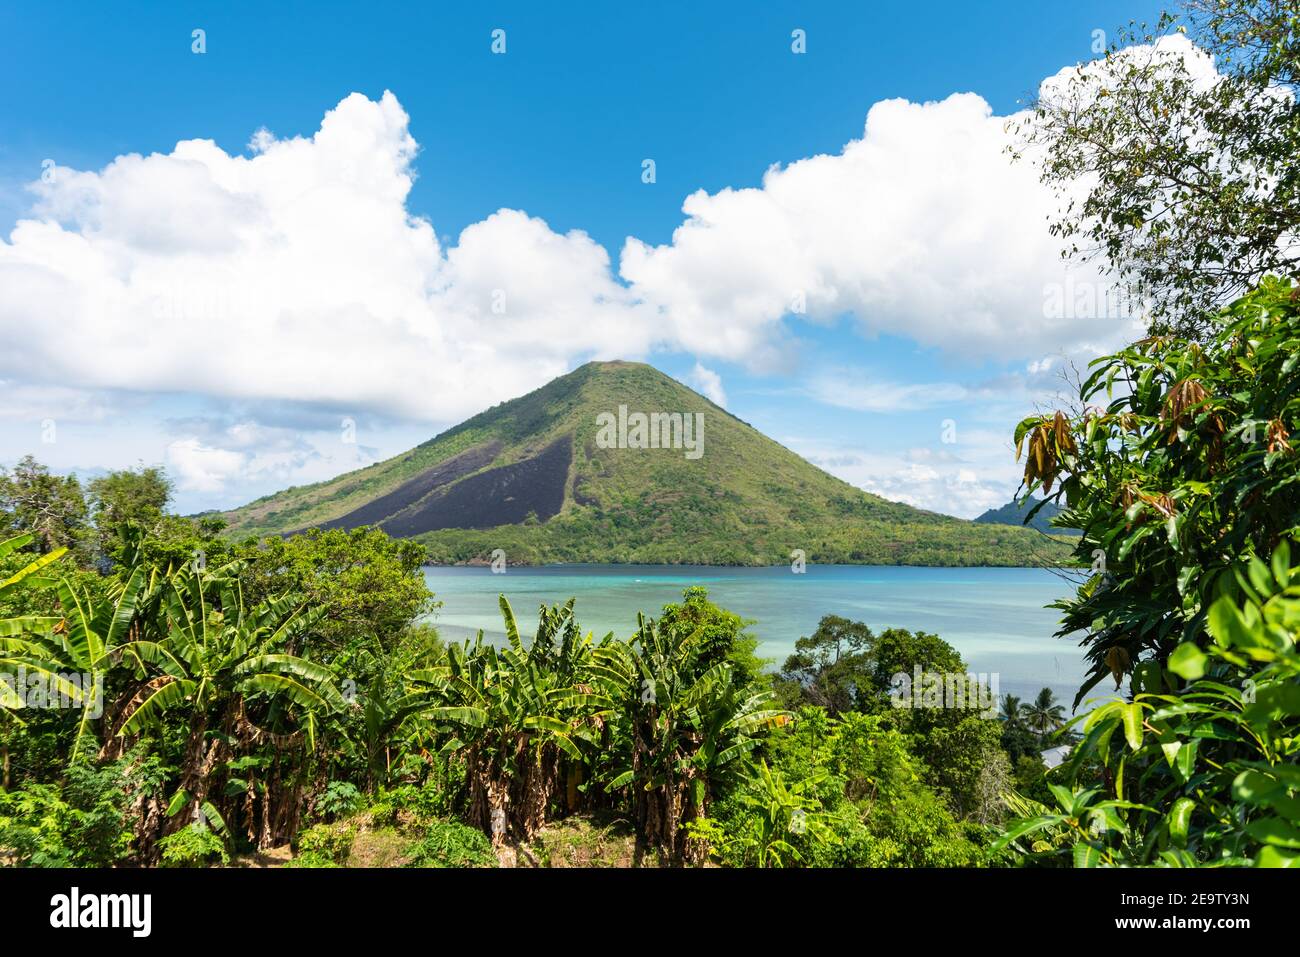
(1016, 511)
(528, 477)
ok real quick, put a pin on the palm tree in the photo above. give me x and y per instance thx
(1044, 715)
(1012, 711)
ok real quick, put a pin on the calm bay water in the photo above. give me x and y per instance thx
(994, 616)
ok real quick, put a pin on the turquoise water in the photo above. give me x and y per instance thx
(994, 616)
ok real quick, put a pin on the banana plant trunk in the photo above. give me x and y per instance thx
(511, 792)
(663, 810)
(196, 765)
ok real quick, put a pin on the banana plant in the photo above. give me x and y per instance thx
(216, 658)
(74, 650)
(686, 729)
(11, 700)
(29, 572)
(513, 714)
(785, 819)
(385, 713)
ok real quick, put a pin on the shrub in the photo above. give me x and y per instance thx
(84, 822)
(916, 829)
(326, 844)
(424, 803)
(340, 799)
(194, 846)
(452, 844)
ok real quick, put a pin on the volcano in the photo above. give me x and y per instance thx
(616, 462)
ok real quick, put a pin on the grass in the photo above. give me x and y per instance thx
(584, 841)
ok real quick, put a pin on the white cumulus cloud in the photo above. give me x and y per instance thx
(709, 384)
(923, 228)
(298, 273)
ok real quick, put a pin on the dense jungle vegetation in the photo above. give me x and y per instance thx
(176, 699)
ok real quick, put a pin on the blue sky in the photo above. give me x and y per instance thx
(919, 344)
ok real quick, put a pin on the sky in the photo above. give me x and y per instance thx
(311, 236)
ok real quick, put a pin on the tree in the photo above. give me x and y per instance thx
(687, 726)
(1043, 714)
(960, 749)
(138, 496)
(1018, 741)
(51, 506)
(1179, 180)
(872, 793)
(722, 635)
(74, 650)
(222, 664)
(1178, 469)
(832, 668)
(511, 714)
(369, 585)
(897, 651)
(845, 666)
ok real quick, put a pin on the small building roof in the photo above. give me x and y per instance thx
(1054, 757)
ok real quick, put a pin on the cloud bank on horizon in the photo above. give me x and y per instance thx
(296, 274)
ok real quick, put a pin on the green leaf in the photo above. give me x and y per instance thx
(1064, 797)
(1281, 564)
(1188, 661)
(1179, 819)
(178, 801)
(1275, 831)
(1274, 857)
(1133, 725)
(1018, 829)
(1187, 758)
(30, 570)
(1254, 787)
(168, 696)
(1226, 624)
(1085, 855)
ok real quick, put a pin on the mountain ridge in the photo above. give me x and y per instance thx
(1015, 512)
(536, 477)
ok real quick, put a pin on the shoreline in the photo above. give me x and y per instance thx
(482, 563)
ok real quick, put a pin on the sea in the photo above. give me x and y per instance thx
(997, 618)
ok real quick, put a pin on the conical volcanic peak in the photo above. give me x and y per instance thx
(617, 462)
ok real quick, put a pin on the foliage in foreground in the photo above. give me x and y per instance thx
(1183, 474)
(1201, 767)
(1185, 487)
(243, 697)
